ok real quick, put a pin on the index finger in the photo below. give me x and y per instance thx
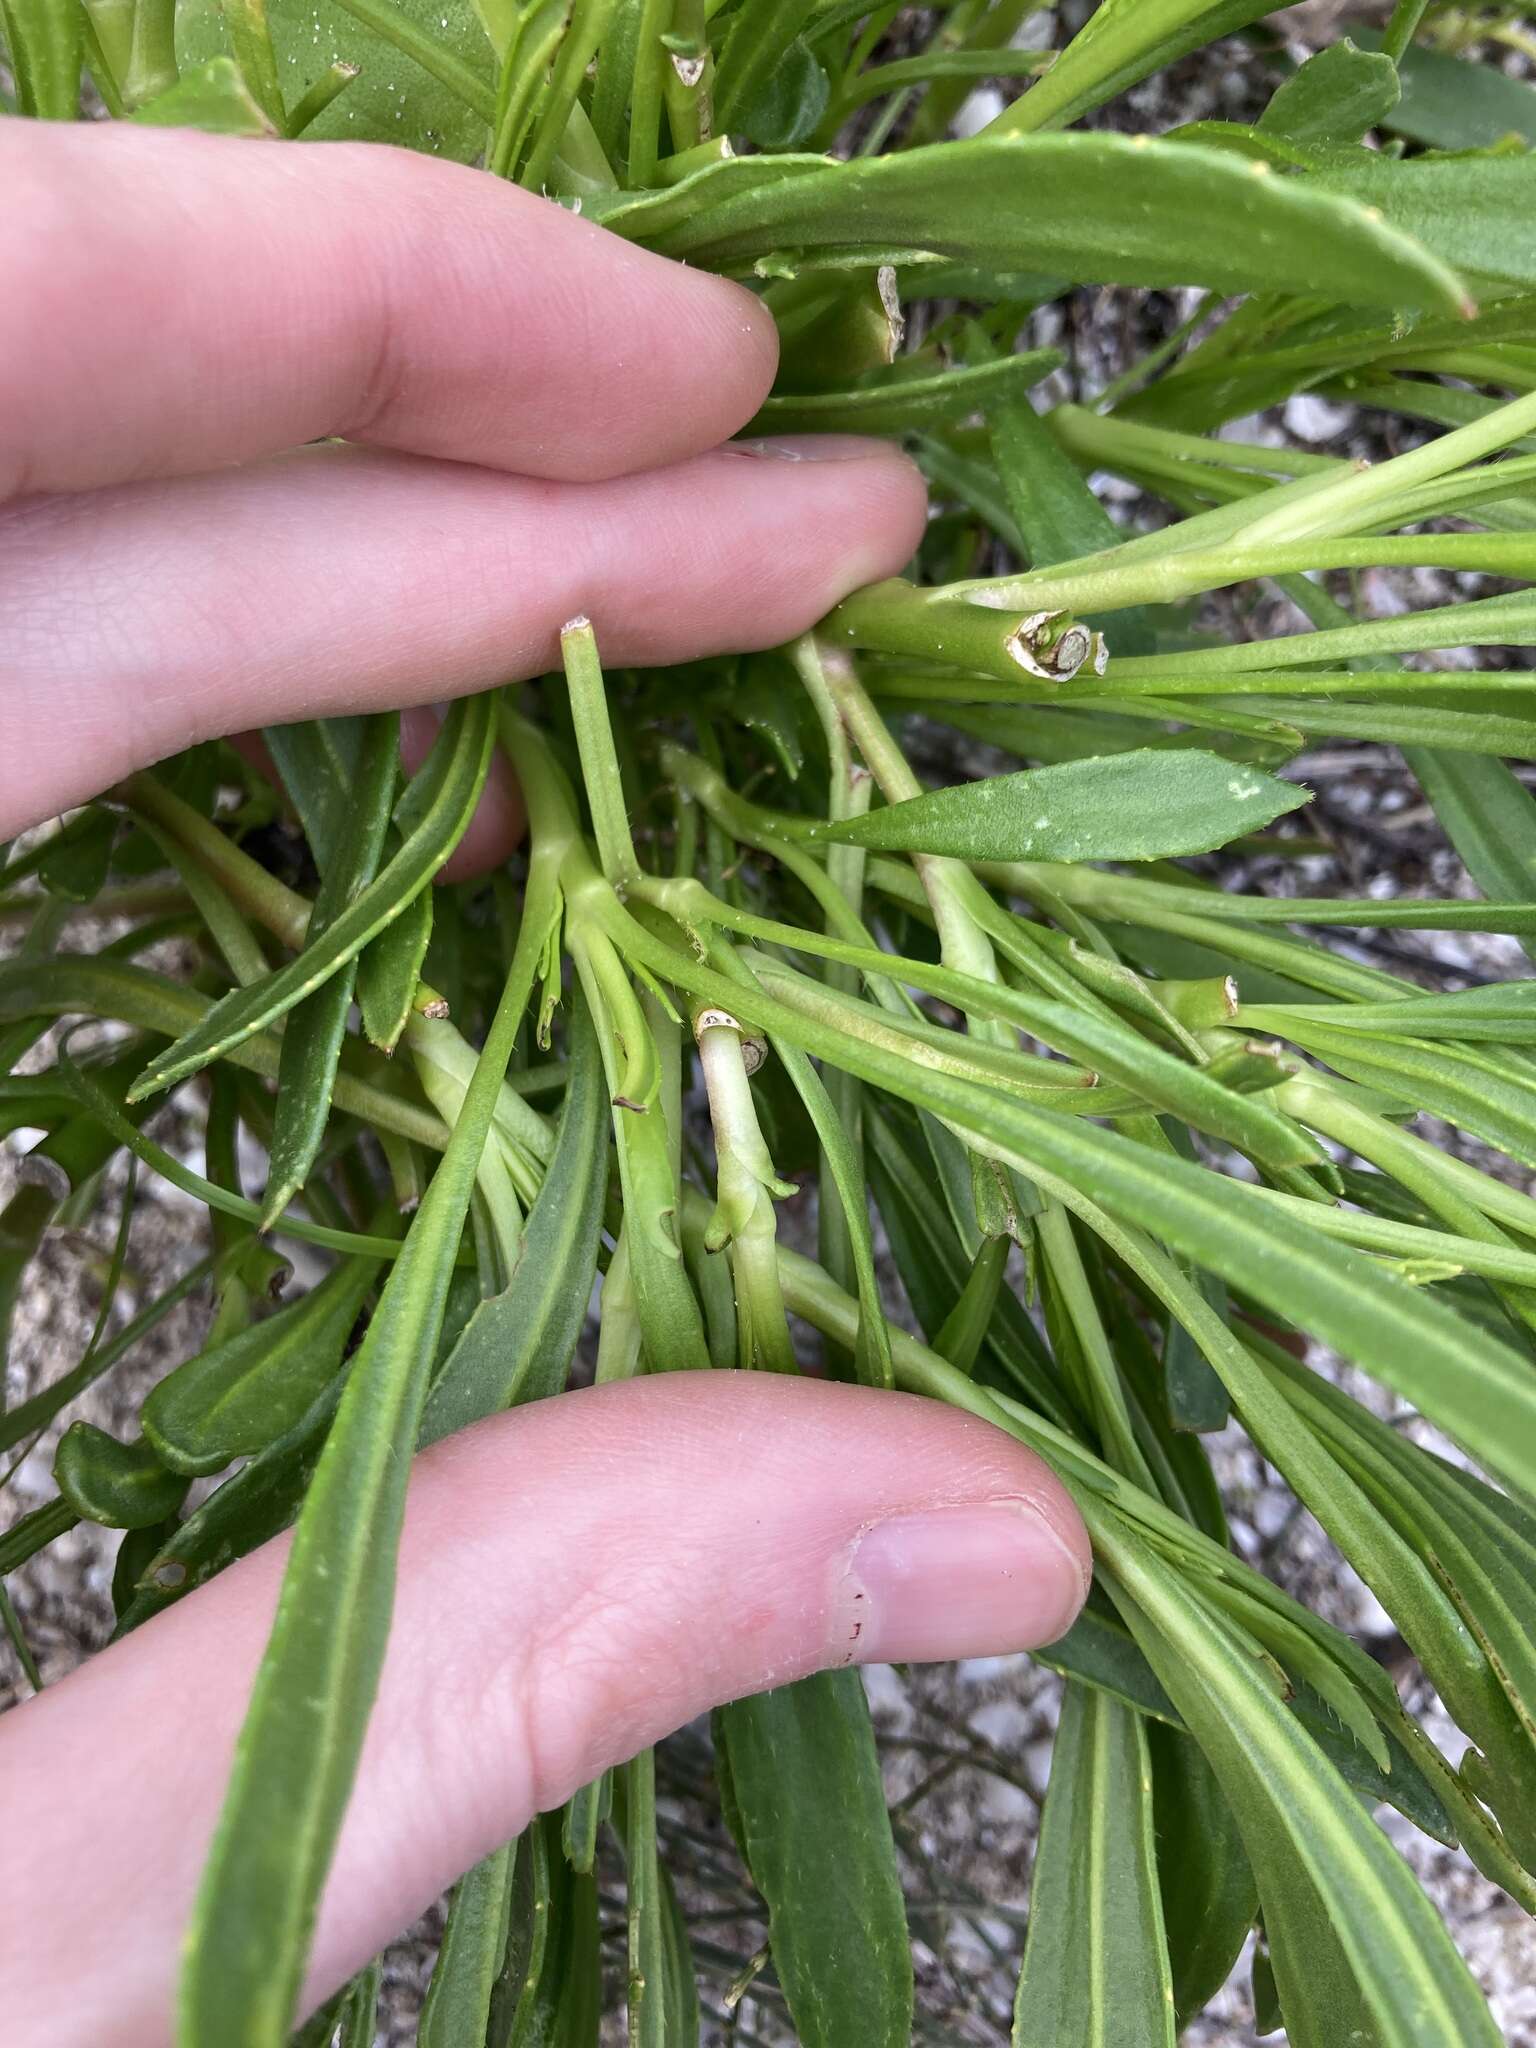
(177, 301)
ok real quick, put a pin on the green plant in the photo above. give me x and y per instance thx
(1002, 1006)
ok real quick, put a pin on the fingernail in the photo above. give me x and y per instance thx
(976, 1580)
(813, 448)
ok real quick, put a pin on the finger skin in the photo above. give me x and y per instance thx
(137, 621)
(174, 302)
(576, 1579)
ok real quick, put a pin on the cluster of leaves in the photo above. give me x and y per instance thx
(1132, 1139)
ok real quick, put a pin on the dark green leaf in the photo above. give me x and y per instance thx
(122, 1486)
(389, 972)
(761, 36)
(517, 1345)
(298, 1749)
(1090, 208)
(1100, 1650)
(1208, 1888)
(806, 1784)
(442, 800)
(899, 405)
(249, 1391)
(315, 1027)
(1458, 103)
(784, 110)
(1096, 1963)
(1489, 817)
(458, 2001)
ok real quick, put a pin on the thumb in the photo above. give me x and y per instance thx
(576, 1579)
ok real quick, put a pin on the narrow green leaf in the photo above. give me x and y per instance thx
(1477, 212)
(1096, 1965)
(315, 1027)
(249, 1507)
(805, 1780)
(74, 864)
(458, 2001)
(761, 37)
(1120, 43)
(1099, 1650)
(1208, 1888)
(239, 1396)
(298, 1750)
(1356, 1942)
(1137, 806)
(1489, 817)
(318, 759)
(900, 405)
(784, 111)
(1100, 209)
(1457, 102)
(517, 1345)
(647, 1980)
(389, 971)
(442, 800)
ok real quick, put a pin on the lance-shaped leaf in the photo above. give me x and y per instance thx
(1121, 41)
(1091, 209)
(517, 1345)
(902, 405)
(312, 1036)
(1356, 1943)
(239, 1396)
(434, 815)
(1096, 1965)
(806, 1798)
(1478, 212)
(298, 1750)
(389, 972)
(1489, 816)
(1333, 97)
(1208, 1888)
(1143, 805)
(458, 2001)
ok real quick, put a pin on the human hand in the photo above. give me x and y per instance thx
(577, 1578)
(541, 406)
(532, 411)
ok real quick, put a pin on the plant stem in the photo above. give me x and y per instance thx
(746, 1183)
(599, 758)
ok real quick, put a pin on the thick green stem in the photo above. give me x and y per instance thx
(745, 1187)
(599, 757)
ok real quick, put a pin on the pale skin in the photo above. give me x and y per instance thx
(536, 422)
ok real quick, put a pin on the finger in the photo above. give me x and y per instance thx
(136, 621)
(177, 301)
(577, 1578)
